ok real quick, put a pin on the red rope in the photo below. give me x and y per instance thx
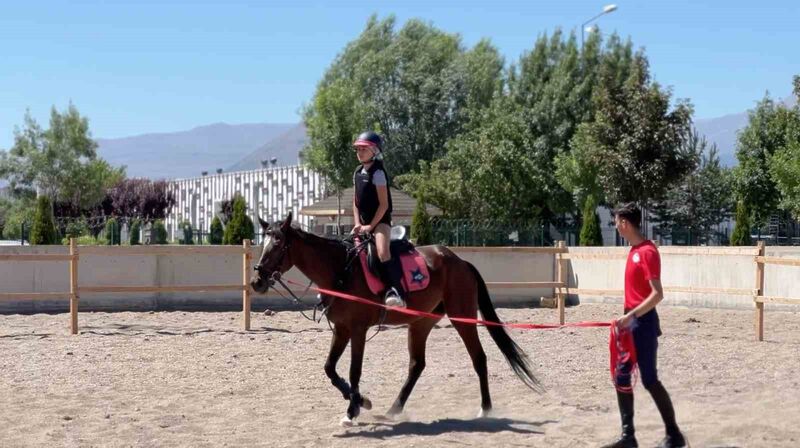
(622, 349)
(464, 320)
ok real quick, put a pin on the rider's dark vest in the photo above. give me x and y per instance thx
(367, 194)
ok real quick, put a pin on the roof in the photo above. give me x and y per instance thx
(402, 205)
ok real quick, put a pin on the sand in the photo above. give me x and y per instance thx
(194, 379)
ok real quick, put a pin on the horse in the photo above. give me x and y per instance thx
(456, 289)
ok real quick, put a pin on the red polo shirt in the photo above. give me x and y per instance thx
(644, 264)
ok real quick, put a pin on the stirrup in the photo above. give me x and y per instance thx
(392, 298)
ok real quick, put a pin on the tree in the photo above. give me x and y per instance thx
(591, 234)
(741, 233)
(112, 232)
(421, 230)
(5, 206)
(333, 121)
(188, 233)
(635, 142)
(702, 199)
(785, 163)
(770, 130)
(135, 232)
(43, 230)
(59, 162)
(158, 233)
(216, 233)
(240, 227)
(417, 85)
(140, 198)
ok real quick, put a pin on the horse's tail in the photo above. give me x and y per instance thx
(516, 358)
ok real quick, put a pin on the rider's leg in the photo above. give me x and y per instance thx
(391, 268)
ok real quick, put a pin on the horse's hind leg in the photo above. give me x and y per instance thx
(417, 338)
(469, 334)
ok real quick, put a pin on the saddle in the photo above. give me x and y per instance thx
(416, 276)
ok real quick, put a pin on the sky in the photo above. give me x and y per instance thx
(143, 66)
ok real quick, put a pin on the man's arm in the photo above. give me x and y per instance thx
(655, 297)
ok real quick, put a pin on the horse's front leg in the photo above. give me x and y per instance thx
(358, 337)
(341, 336)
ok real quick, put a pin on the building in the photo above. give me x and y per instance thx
(270, 193)
(324, 212)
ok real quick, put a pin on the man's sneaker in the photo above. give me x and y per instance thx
(393, 298)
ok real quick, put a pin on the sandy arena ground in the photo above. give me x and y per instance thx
(193, 379)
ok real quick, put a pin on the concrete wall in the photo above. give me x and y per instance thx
(679, 269)
(690, 267)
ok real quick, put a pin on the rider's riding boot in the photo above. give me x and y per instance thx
(394, 274)
(627, 439)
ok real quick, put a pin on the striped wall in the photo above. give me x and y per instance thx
(270, 193)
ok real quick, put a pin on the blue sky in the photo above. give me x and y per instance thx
(143, 66)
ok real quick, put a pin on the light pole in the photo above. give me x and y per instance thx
(606, 10)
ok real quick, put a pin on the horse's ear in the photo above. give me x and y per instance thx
(264, 224)
(287, 223)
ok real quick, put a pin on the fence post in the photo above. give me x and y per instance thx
(246, 284)
(759, 292)
(73, 286)
(561, 272)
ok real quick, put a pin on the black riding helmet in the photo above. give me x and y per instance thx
(370, 138)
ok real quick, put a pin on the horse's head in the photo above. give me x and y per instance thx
(275, 254)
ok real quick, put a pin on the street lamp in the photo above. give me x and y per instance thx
(606, 10)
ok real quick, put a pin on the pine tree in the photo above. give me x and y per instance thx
(240, 227)
(741, 233)
(591, 234)
(136, 229)
(112, 232)
(44, 230)
(421, 230)
(216, 234)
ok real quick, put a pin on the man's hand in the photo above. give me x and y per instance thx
(627, 321)
(356, 229)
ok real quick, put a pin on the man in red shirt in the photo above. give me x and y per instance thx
(643, 292)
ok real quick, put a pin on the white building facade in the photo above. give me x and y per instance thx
(270, 193)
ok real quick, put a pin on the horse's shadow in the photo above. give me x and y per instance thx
(383, 429)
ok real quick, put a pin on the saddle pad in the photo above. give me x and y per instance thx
(415, 273)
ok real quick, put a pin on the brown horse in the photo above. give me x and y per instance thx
(456, 288)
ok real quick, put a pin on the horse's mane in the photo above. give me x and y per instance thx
(317, 240)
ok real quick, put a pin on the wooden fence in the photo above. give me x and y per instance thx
(75, 290)
(560, 283)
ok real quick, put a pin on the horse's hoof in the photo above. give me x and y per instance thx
(395, 415)
(347, 421)
(484, 413)
(365, 403)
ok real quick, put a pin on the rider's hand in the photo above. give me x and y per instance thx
(356, 229)
(365, 229)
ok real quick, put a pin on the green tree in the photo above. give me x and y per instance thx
(112, 232)
(216, 233)
(75, 229)
(764, 135)
(240, 227)
(741, 232)
(158, 233)
(421, 229)
(702, 199)
(784, 165)
(591, 234)
(59, 162)
(135, 232)
(418, 85)
(188, 233)
(43, 230)
(333, 121)
(635, 140)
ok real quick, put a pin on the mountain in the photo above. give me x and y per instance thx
(285, 148)
(723, 131)
(188, 153)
